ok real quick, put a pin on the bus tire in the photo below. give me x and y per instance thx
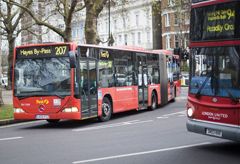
(174, 94)
(106, 110)
(54, 121)
(153, 101)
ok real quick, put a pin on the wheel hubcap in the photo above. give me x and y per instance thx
(154, 103)
(106, 109)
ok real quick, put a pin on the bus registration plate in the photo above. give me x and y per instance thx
(213, 132)
(42, 117)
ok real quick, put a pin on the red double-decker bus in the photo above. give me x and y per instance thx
(213, 106)
(66, 81)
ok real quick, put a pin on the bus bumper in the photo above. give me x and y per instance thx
(41, 116)
(224, 131)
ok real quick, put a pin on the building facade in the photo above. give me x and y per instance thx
(175, 23)
(131, 24)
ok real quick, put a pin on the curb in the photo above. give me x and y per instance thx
(9, 121)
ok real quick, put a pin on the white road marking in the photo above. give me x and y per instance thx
(165, 116)
(181, 112)
(182, 115)
(113, 125)
(141, 153)
(20, 124)
(12, 138)
(162, 117)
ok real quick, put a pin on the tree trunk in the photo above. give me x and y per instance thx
(68, 29)
(91, 26)
(68, 34)
(11, 43)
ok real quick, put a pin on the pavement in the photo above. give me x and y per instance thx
(7, 99)
(152, 137)
(7, 96)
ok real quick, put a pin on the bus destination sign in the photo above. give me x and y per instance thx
(220, 21)
(43, 51)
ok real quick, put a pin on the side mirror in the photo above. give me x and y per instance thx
(72, 58)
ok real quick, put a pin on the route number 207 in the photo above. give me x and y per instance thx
(61, 50)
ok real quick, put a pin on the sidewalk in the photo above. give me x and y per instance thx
(7, 99)
(7, 96)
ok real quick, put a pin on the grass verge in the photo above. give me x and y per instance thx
(6, 112)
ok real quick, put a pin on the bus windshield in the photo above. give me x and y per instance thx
(42, 77)
(215, 71)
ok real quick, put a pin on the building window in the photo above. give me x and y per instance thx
(120, 39)
(167, 20)
(175, 19)
(148, 37)
(125, 39)
(167, 42)
(133, 38)
(139, 37)
(115, 24)
(176, 41)
(106, 25)
(124, 22)
(137, 20)
(148, 17)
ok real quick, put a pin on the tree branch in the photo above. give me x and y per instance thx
(38, 21)
(4, 28)
(79, 8)
(21, 15)
(59, 9)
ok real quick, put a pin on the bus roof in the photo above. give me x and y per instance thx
(130, 48)
(202, 3)
(124, 48)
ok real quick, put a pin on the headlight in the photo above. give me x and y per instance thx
(69, 110)
(190, 112)
(18, 110)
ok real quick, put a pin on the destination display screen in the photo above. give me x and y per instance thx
(42, 51)
(215, 22)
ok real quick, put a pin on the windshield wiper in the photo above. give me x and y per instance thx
(234, 99)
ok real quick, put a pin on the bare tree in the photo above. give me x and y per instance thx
(93, 9)
(66, 9)
(10, 17)
(182, 14)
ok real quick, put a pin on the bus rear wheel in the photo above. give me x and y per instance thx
(106, 110)
(154, 102)
(54, 121)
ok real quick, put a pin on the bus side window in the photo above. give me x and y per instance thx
(106, 74)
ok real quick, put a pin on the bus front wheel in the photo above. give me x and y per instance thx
(106, 110)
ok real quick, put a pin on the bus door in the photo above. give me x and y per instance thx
(142, 81)
(171, 93)
(88, 87)
(163, 78)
